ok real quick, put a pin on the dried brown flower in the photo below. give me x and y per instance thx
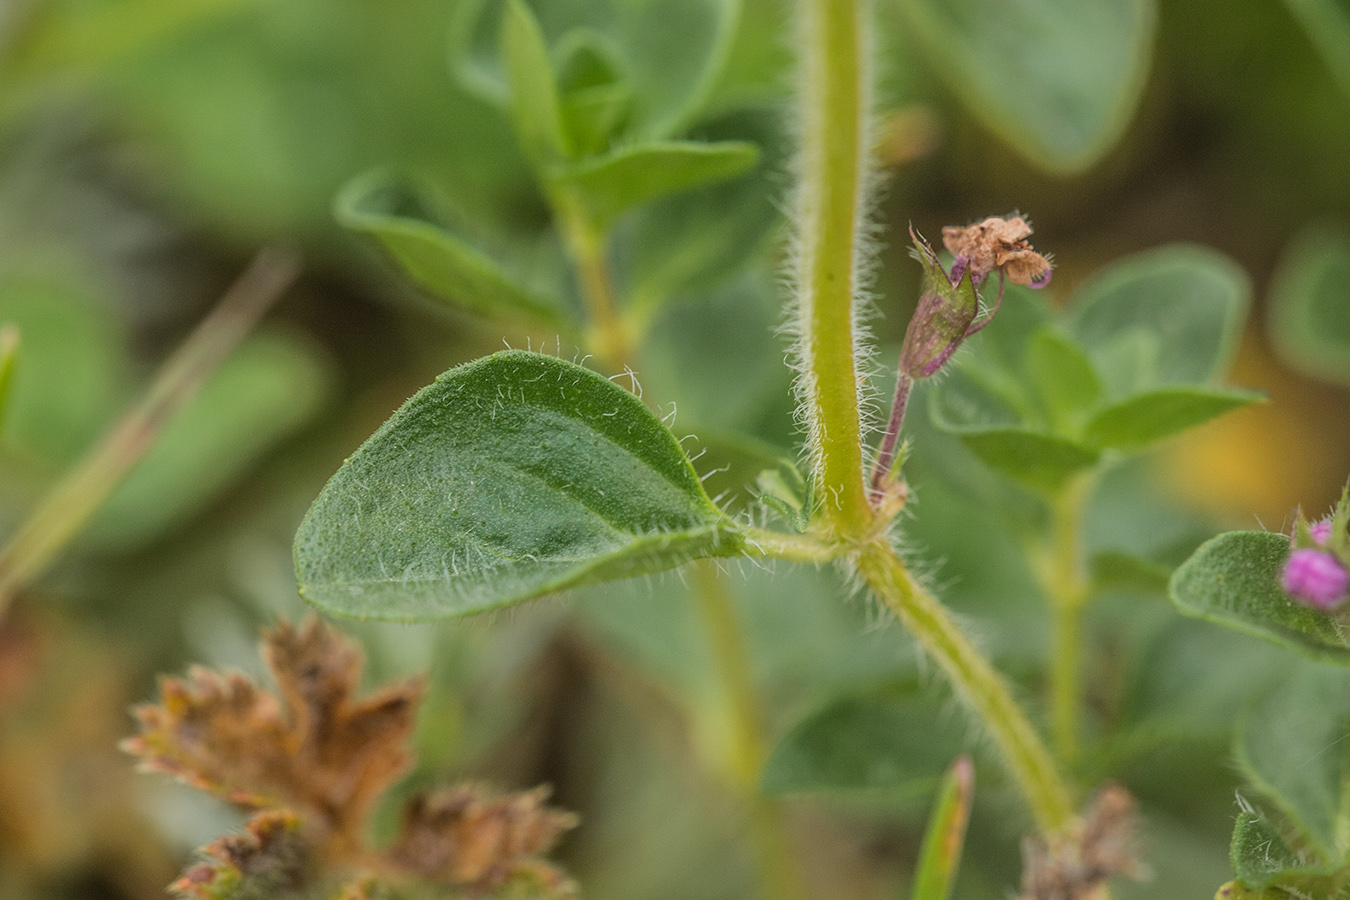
(315, 750)
(1101, 845)
(998, 244)
(270, 854)
(315, 759)
(479, 842)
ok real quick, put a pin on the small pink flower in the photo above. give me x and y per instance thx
(1320, 531)
(1316, 578)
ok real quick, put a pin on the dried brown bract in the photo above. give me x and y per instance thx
(1102, 845)
(315, 759)
(998, 244)
(316, 750)
(270, 854)
(479, 842)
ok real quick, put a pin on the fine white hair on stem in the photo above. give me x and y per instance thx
(806, 231)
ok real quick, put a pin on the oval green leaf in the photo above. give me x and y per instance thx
(1234, 580)
(1191, 300)
(1057, 79)
(450, 268)
(1292, 747)
(508, 478)
(1261, 859)
(1310, 304)
(1143, 419)
(633, 175)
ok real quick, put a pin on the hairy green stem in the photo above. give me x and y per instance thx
(831, 207)
(68, 506)
(1062, 577)
(976, 682)
(778, 869)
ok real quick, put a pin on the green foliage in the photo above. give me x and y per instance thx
(1309, 300)
(1135, 361)
(1234, 580)
(1291, 746)
(1058, 80)
(509, 478)
(449, 267)
(1261, 859)
(639, 173)
(536, 108)
(1327, 25)
(271, 387)
(888, 740)
(940, 854)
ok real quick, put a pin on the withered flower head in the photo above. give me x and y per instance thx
(1101, 845)
(998, 244)
(944, 317)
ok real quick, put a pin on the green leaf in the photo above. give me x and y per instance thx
(450, 268)
(940, 853)
(888, 740)
(1037, 460)
(596, 95)
(1262, 859)
(1234, 580)
(1327, 24)
(268, 389)
(506, 479)
(1310, 303)
(1143, 419)
(1190, 300)
(536, 108)
(10, 339)
(1057, 79)
(1064, 377)
(633, 175)
(1292, 746)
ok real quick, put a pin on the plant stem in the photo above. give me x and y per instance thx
(1065, 584)
(881, 470)
(68, 506)
(778, 870)
(608, 336)
(976, 682)
(830, 211)
(805, 548)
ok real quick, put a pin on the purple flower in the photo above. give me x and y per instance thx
(1320, 531)
(1315, 578)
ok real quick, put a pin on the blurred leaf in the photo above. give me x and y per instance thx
(596, 95)
(1310, 303)
(890, 740)
(448, 267)
(1327, 24)
(1234, 580)
(1190, 300)
(1057, 79)
(1121, 571)
(1064, 378)
(672, 52)
(271, 858)
(638, 173)
(730, 466)
(1143, 419)
(508, 478)
(692, 240)
(536, 108)
(1261, 859)
(940, 853)
(75, 369)
(1037, 460)
(1292, 747)
(10, 339)
(268, 389)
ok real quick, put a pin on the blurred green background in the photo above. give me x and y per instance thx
(149, 147)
